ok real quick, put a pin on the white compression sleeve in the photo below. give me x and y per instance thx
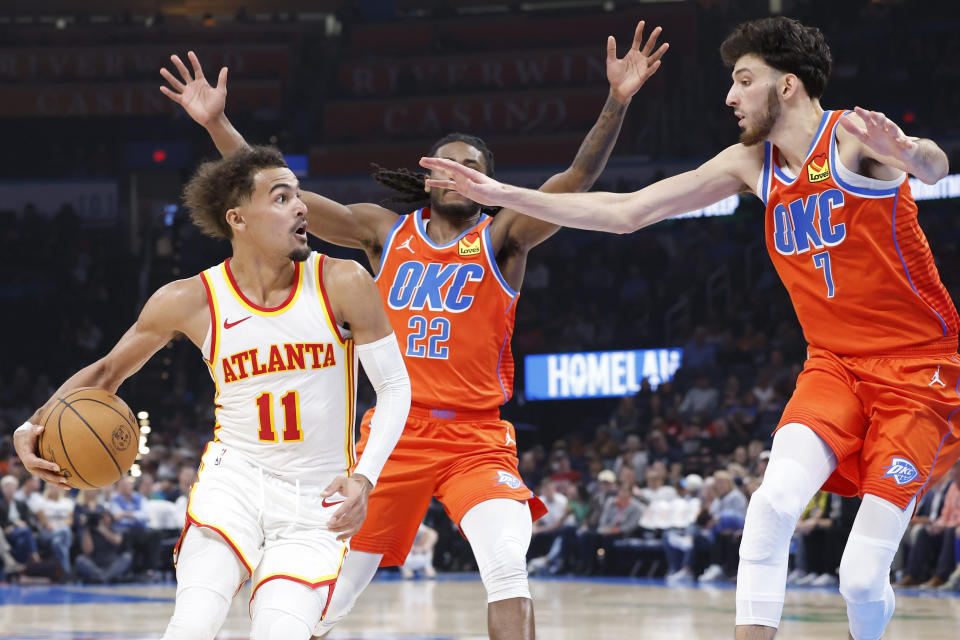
(384, 367)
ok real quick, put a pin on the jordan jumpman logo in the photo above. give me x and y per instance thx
(406, 245)
(509, 439)
(936, 379)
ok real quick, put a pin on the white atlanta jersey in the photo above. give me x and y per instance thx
(285, 377)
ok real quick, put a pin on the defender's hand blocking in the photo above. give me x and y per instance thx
(25, 442)
(201, 101)
(881, 134)
(627, 74)
(349, 517)
(465, 181)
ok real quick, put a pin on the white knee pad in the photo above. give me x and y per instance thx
(773, 512)
(800, 463)
(865, 566)
(198, 614)
(208, 576)
(357, 571)
(286, 610)
(499, 533)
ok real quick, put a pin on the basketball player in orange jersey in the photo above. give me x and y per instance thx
(450, 278)
(281, 328)
(872, 411)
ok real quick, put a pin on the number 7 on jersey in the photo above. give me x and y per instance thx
(822, 261)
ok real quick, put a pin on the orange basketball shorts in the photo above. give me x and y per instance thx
(461, 457)
(891, 421)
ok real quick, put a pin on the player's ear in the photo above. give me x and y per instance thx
(426, 187)
(235, 219)
(788, 85)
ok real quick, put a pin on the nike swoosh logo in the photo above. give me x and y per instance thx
(227, 324)
(324, 503)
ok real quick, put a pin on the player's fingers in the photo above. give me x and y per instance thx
(659, 52)
(36, 464)
(611, 49)
(428, 162)
(652, 41)
(181, 68)
(222, 79)
(638, 34)
(172, 95)
(441, 184)
(169, 77)
(335, 485)
(853, 128)
(49, 476)
(195, 63)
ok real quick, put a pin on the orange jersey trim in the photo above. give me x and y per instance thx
(254, 307)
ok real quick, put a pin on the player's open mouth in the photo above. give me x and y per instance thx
(301, 231)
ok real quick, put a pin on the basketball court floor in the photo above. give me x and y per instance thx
(453, 608)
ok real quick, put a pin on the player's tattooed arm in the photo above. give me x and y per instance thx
(626, 76)
(885, 143)
(361, 226)
(203, 102)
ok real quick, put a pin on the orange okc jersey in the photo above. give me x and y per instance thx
(853, 257)
(453, 314)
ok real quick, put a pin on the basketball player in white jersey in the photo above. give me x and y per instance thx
(280, 327)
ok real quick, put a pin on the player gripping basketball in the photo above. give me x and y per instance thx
(872, 411)
(450, 277)
(281, 328)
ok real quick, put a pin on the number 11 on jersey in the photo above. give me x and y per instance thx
(291, 417)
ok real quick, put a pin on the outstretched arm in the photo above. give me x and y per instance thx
(884, 142)
(724, 175)
(361, 226)
(626, 75)
(167, 312)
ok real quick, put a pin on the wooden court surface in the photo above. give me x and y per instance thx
(453, 608)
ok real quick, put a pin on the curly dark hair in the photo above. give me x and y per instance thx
(220, 185)
(784, 44)
(409, 184)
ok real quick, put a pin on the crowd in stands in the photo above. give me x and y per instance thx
(126, 532)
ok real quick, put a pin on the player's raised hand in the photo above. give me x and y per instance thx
(25, 442)
(468, 182)
(627, 74)
(203, 102)
(880, 133)
(347, 519)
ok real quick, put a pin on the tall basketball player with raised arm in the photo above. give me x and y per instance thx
(873, 410)
(450, 277)
(280, 327)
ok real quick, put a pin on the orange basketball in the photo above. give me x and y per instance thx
(93, 436)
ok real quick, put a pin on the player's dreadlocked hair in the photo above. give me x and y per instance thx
(409, 184)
